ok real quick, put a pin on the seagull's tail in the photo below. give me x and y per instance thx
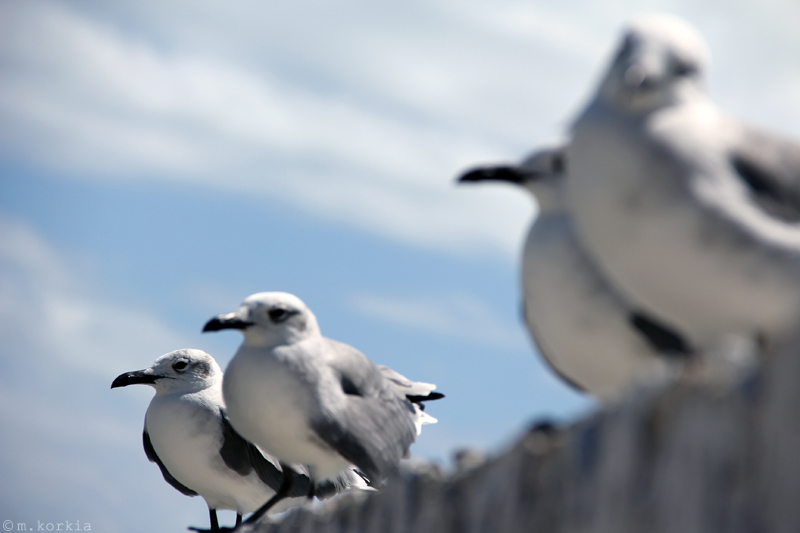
(416, 392)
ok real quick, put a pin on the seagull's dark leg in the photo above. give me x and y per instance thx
(212, 516)
(283, 491)
(312, 490)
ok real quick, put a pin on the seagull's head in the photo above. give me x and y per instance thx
(182, 371)
(661, 62)
(269, 319)
(542, 173)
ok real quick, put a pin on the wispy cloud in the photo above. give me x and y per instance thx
(62, 345)
(364, 122)
(453, 315)
(49, 314)
(84, 99)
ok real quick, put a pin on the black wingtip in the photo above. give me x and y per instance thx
(660, 336)
(430, 397)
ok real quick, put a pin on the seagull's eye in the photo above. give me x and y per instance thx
(683, 69)
(278, 314)
(180, 366)
(626, 48)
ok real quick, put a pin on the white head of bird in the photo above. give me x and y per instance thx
(662, 61)
(269, 319)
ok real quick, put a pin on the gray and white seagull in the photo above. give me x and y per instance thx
(584, 329)
(692, 214)
(312, 400)
(187, 433)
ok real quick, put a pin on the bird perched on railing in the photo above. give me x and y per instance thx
(313, 400)
(693, 215)
(187, 433)
(584, 329)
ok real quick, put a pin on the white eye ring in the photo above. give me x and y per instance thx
(180, 366)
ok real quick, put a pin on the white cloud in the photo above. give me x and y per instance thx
(66, 433)
(48, 313)
(454, 315)
(86, 100)
(359, 113)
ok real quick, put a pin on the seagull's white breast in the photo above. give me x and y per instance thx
(579, 323)
(632, 191)
(186, 435)
(270, 404)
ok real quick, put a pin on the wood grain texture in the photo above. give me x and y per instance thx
(688, 458)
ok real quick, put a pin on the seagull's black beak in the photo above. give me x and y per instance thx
(229, 321)
(509, 174)
(134, 378)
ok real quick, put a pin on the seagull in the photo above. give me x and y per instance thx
(693, 215)
(312, 400)
(188, 435)
(583, 328)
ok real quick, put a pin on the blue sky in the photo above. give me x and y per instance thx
(160, 161)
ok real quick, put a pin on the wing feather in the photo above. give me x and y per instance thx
(373, 428)
(153, 457)
(770, 167)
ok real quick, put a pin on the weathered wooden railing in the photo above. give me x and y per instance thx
(689, 458)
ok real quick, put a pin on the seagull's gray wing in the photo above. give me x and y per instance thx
(243, 457)
(153, 457)
(374, 428)
(770, 166)
(331, 487)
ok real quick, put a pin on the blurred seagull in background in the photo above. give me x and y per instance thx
(187, 433)
(584, 329)
(691, 214)
(312, 400)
